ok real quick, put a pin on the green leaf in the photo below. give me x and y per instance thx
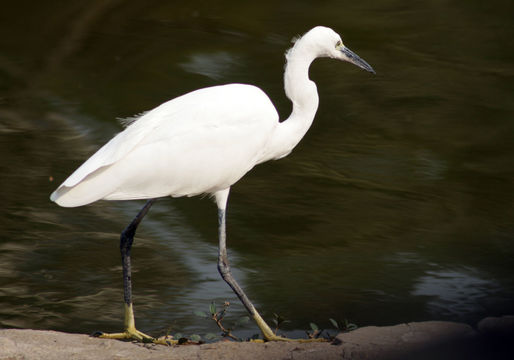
(279, 320)
(351, 326)
(314, 326)
(334, 323)
(212, 308)
(275, 320)
(195, 337)
(200, 313)
(348, 326)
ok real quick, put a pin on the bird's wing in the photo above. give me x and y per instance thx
(170, 118)
(125, 141)
(202, 115)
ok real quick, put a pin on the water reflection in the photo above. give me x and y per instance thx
(216, 66)
(455, 293)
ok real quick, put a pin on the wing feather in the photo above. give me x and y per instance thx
(165, 151)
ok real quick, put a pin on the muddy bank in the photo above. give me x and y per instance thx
(492, 338)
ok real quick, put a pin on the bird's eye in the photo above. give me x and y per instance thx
(339, 44)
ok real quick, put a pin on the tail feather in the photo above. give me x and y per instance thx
(90, 189)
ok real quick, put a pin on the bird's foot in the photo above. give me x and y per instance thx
(131, 333)
(269, 335)
(135, 335)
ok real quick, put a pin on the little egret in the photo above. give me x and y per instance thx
(203, 143)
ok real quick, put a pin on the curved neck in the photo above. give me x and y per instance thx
(300, 89)
(304, 95)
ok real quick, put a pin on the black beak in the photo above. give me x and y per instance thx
(353, 58)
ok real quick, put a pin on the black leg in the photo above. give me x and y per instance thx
(226, 274)
(126, 240)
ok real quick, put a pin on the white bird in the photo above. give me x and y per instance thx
(202, 143)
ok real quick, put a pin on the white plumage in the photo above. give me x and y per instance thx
(197, 143)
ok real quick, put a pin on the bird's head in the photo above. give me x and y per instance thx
(322, 41)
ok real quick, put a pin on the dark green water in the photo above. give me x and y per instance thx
(397, 206)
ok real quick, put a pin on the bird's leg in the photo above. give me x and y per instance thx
(226, 274)
(126, 240)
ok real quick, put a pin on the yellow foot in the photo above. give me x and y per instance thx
(134, 334)
(269, 335)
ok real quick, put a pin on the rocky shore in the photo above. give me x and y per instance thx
(491, 338)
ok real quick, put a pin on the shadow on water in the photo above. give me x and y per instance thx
(397, 206)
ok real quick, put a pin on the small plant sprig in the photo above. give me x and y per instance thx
(316, 332)
(278, 320)
(348, 326)
(218, 317)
